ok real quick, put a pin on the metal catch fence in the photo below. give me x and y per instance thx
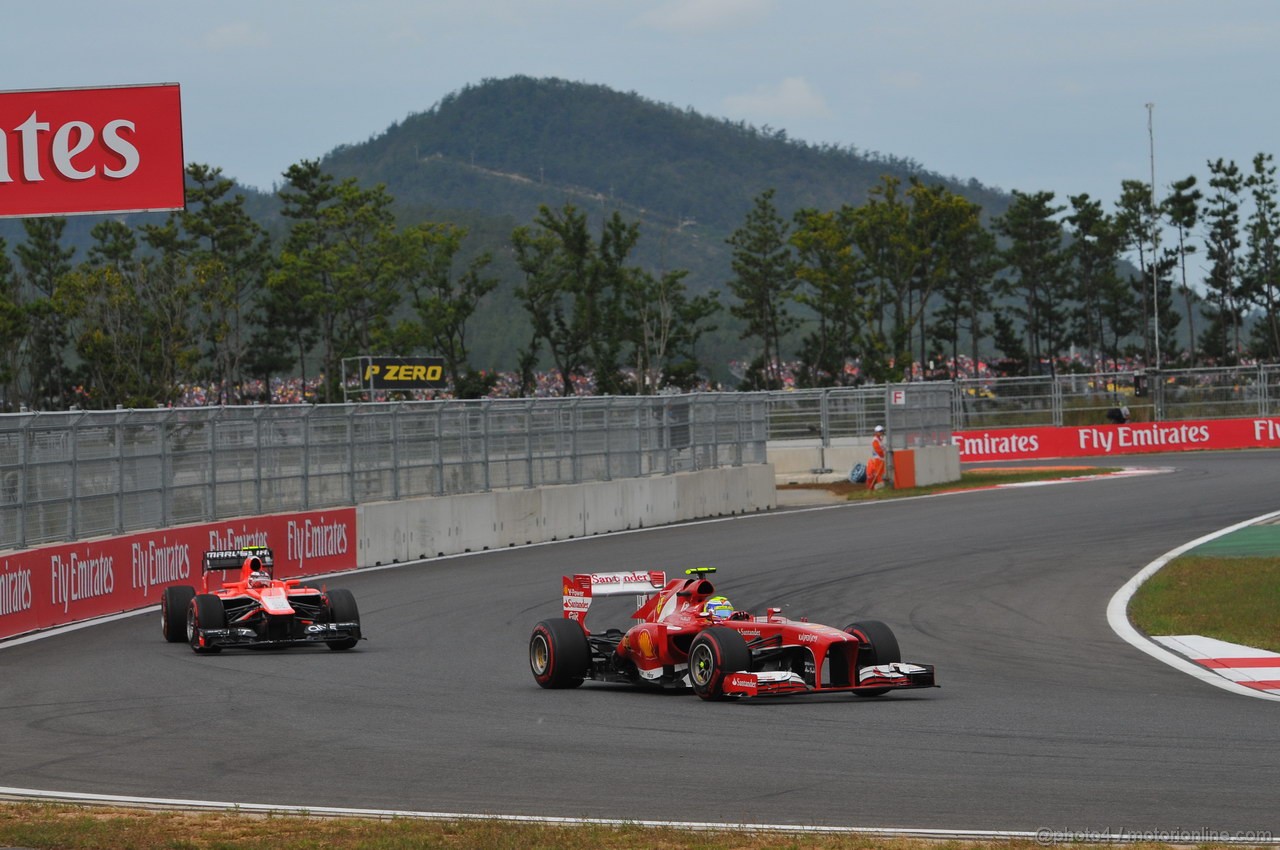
(916, 414)
(1043, 401)
(79, 474)
(68, 476)
(1151, 396)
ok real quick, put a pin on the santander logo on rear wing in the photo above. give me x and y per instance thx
(581, 588)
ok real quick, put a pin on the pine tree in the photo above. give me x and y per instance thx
(764, 282)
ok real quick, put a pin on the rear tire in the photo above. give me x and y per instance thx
(204, 612)
(714, 654)
(173, 611)
(559, 654)
(343, 609)
(878, 646)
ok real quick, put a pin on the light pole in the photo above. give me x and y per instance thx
(1155, 234)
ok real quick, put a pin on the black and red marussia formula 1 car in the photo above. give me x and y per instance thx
(690, 637)
(252, 608)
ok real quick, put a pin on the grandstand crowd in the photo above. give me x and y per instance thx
(298, 390)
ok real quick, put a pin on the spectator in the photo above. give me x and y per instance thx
(1118, 415)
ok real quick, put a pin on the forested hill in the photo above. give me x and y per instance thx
(503, 146)
(489, 155)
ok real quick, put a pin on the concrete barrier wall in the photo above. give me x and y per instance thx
(937, 465)
(519, 520)
(656, 500)
(602, 507)
(393, 532)
(796, 461)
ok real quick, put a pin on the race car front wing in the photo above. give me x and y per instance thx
(880, 677)
(309, 633)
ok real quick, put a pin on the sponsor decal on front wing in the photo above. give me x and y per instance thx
(750, 684)
(895, 671)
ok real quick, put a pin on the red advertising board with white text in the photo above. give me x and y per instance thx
(55, 585)
(1105, 440)
(98, 150)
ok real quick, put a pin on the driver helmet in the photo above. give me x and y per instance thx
(718, 608)
(258, 576)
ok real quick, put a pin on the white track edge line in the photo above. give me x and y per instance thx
(1118, 617)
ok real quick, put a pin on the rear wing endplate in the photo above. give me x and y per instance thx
(580, 589)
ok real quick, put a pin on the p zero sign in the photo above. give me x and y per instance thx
(402, 373)
(99, 150)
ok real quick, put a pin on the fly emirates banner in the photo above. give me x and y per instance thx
(1105, 440)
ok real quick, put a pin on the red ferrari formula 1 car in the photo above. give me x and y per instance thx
(253, 608)
(690, 637)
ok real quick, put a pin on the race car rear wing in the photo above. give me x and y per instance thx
(580, 589)
(233, 559)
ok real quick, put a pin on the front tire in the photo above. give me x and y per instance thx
(714, 654)
(559, 654)
(173, 611)
(204, 612)
(343, 609)
(877, 645)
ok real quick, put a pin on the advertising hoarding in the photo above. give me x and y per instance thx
(402, 373)
(93, 150)
(1105, 440)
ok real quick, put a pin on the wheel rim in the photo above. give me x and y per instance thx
(191, 624)
(539, 655)
(701, 665)
(164, 616)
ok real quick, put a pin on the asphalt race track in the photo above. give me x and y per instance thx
(1045, 718)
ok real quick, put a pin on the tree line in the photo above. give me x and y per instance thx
(205, 298)
(912, 275)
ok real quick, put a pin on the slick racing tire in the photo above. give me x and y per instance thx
(204, 612)
(342, 609)
(878, 646)
(559, 654)
(714, 654)
(173, 612)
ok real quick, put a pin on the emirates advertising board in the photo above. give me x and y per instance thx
(92, 150)
(1108, 440)
(68, 582)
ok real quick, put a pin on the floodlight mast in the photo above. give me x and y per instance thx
(1155, 233)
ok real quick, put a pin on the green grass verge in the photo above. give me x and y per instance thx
(62, 827)
(1235, 599)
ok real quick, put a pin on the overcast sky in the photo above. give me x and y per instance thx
(1019, 94)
